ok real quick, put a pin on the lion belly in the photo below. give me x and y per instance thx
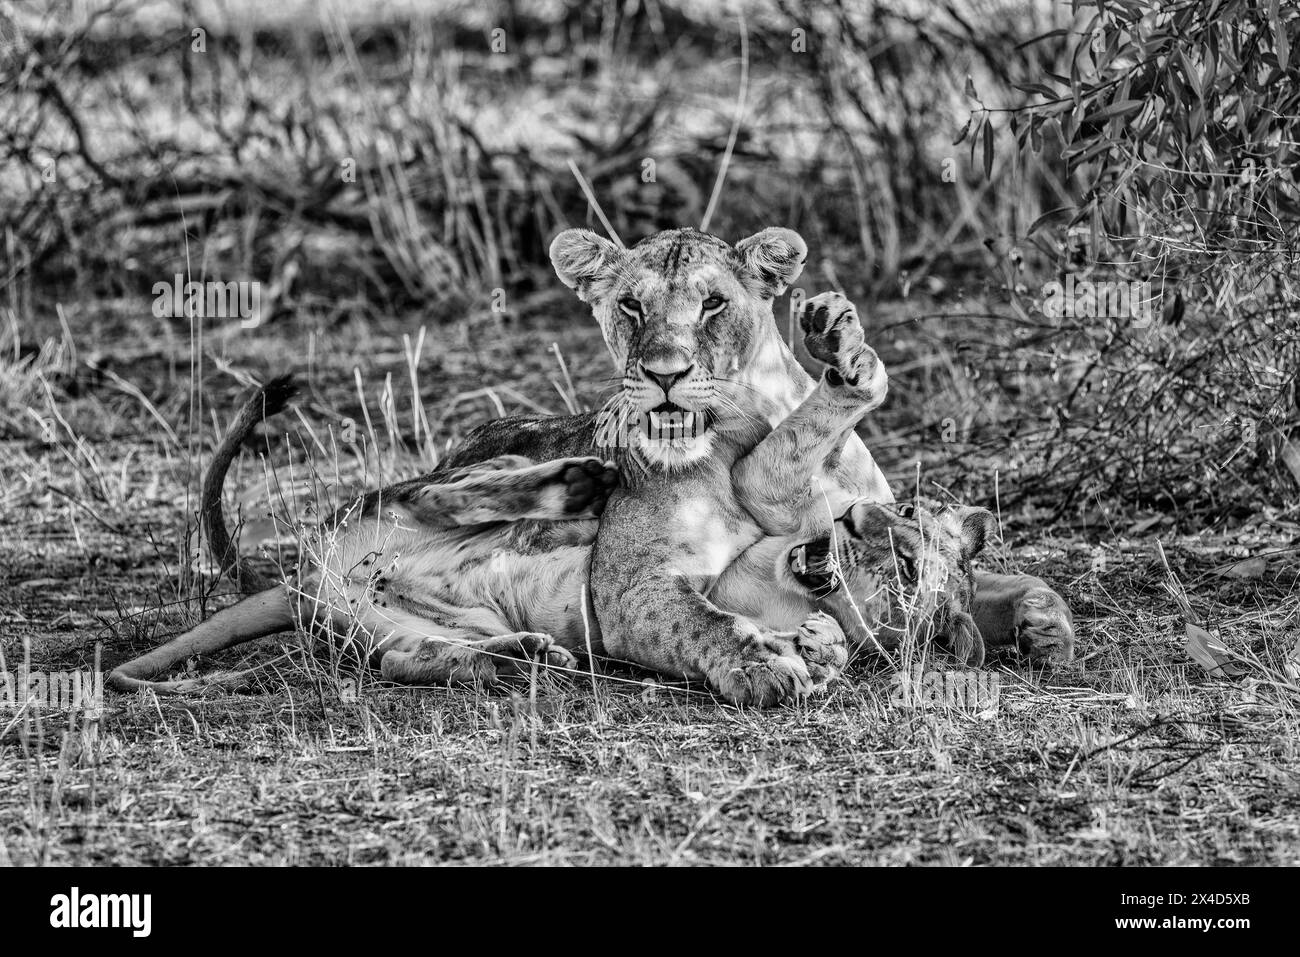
(854, 477)
(481, 580)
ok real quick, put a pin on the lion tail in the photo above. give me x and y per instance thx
(262, 403)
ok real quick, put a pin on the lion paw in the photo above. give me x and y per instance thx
(1044, 626)
(527, 647)
(821, 644)
(770, 672)
(587, 483)
(833, 334)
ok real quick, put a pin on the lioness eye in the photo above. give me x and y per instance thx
(629, 305)
(907, 570)
(714, 303)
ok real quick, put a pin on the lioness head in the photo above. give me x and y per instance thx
(688, 320)
(888, 572)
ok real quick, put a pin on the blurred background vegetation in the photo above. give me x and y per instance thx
(392, 165)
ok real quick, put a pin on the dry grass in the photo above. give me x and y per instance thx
(107, 415)
(1137, 757)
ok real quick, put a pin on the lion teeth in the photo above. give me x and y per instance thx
(675, 424)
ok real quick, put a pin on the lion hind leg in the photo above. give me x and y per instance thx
(264, 613)
(562, 490)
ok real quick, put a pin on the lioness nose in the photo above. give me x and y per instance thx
(665, 378)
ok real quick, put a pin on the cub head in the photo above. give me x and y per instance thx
(688, 320)
(890, 572)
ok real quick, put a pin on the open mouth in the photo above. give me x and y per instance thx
(669, 422)
(812, 567)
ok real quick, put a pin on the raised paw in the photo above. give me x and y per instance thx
(821, 644)
(1044, 626)
(833, 334)
(769, 672)
(587, 483)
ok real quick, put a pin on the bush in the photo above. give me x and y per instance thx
(1178, 128)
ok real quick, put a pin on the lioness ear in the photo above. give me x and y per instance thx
(774, 256)
(975, 527)
(579, 256)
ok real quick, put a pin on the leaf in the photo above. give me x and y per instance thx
(1291, 456)
(1045, 217)
(1176, 316)
(1142, 525)
(1118, 108)
(1080, 146)
(1247, 569)
(988, 150)
(1280, 38)
(964, 130)
(970, 88)
(1207, 652)
(1291, 665)
(1046, 36)
(1038, 88)
(1190, 73)
(1101, 145)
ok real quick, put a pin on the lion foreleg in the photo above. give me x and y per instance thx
(774, 480)
(1023, 611)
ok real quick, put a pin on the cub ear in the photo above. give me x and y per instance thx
(975, 526)
(579, 256)
(774, 257)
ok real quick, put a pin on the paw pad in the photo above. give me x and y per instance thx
(588, 485)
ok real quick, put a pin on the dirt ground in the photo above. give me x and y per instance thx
(1135, 756)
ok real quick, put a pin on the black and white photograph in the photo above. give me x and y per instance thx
(648, 433)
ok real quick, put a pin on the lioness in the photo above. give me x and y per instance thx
(688, 319)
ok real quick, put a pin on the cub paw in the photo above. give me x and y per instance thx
(525, 648)
(587, 483)
(821, 644)
(833, 334)
(1044, 626)
(770, 672)
(436, 661)
(963, 639)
